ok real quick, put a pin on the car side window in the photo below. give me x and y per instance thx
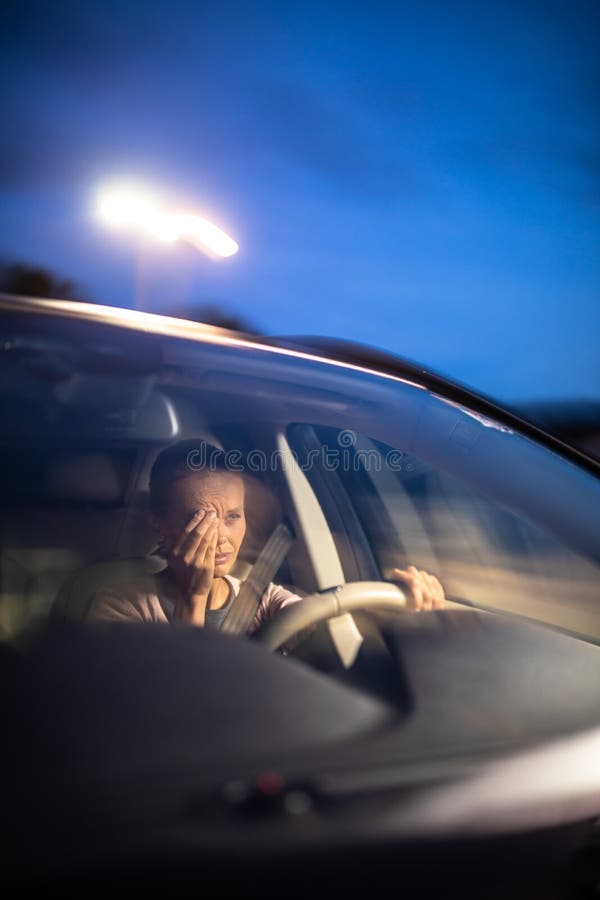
(406, 512)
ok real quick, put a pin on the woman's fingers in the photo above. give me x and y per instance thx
(196, 554)
(430, 590)
(198, 517)
(440, 595)
(209, 547)
(410, 577)
(202, 569)
(401, 575)
(196, 549)
(181, 545)
(190, 540)
(427, 598)
(425, 589)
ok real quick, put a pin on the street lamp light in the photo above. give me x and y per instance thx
(130, 206)
(134, 207)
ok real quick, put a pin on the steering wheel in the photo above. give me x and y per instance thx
(357, 595)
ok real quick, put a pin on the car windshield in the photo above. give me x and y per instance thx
(400, 475)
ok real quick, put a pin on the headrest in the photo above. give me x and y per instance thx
(84, 477)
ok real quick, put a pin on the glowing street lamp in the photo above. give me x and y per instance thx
(201, 233)
(130, 206)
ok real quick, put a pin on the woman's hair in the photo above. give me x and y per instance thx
(179, 461)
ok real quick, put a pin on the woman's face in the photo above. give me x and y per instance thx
(222, 492)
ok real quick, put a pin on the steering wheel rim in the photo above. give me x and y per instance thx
(315, 608)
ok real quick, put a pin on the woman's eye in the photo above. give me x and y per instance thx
(234, 516)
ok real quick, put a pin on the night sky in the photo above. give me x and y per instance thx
(424, 177)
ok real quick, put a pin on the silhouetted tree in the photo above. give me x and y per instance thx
(213, 314)
(34, 281)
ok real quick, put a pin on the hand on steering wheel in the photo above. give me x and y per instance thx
(426, 592)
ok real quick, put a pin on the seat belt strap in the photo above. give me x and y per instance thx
(244, 607)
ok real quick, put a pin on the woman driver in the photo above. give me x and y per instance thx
(199, 516)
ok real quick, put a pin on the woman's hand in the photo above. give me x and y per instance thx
(194, 557)
(425, 591)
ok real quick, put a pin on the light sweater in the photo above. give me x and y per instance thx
(153, 599)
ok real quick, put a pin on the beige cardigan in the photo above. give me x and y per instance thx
(153, 598)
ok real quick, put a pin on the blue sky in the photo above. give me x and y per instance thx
(421, 177)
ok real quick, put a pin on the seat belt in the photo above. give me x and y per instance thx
(244, 607)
